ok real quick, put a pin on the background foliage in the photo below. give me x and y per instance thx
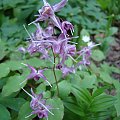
(90, 94)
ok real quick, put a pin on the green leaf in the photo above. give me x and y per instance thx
(10, 27)
(104, 3)
(88, 81)
(25, 111)
(12, 103)
(3, 54)
(4, 70)
(72, 106)
(3, 81)
(4, 113)
(117, 85)
(7, 3)
(46, 94)
(117, 103)
(83, 73)
(81, 94)
(58, 113)
(22, 13)
(15, 65)
(94, 68)
(3, 51)
(106, 68)
(64, 89)
(40, 88)
(106, 77)
(75, 79)
(102, 102)
(99, 91)
(50, 76)
(115, 70)
(35, 62)
(69, 62)
(68, 115)
(107, 41)
(13, 85)
(112, 31)
(98, 55)
(84, 32)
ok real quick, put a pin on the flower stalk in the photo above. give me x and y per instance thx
(54, 67)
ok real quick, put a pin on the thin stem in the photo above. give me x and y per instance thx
(55, 72)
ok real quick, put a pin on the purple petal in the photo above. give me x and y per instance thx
(60, 5)
(33, 94)
(56, 22)
(32, 48)
(59, 66)
(33, 72)
(38, 34)
(71, 49)
(56, 47)
(40, 74)
(22, 49)
(67, 70)
(66, 26)
(39, 96)
(49, 31)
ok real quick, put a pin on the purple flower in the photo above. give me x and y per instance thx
(33, 48)
(41, 40)
(41, 34)
(57, 44)
(22, 50)
(35, 101)
(60, 5)
(71, 49)
(49, 31)
(35, 74)
(67, 26)
(48, 11)
(67, 50)
(38, 105)
(41, 113)
(85, 53)
(66, 70)
(38, 35)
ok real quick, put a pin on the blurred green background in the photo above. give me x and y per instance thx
(99, 18)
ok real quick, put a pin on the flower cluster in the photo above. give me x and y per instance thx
(56, 38)
(45, 40)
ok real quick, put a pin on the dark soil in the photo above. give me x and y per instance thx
(113, 57)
